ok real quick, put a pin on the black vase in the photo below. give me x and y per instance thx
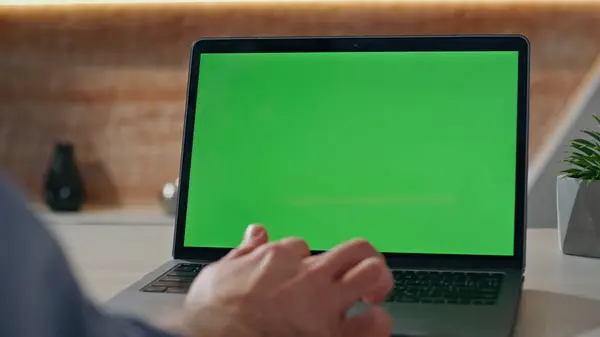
(64, 190)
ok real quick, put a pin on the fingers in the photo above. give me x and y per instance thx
(282, 260)
(297, 247)
(344, 257)
(358, 271)
(284, 251)
(370, 280)
(255, 236)
(373, 322)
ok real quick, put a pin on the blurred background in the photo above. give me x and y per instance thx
(107, 81)
(92, 102)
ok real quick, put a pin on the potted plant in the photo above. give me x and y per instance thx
(578, 197)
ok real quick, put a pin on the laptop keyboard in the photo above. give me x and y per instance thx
(427, 287)
(439, 287)
(176, 280)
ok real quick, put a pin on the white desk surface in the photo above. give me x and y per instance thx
(561, 298)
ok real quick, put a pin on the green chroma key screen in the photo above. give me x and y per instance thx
(414, 151)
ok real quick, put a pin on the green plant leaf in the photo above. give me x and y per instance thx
(575, 155)
(593, 134)
(584, 154)
(575, 176)
(581, 161)
(584, 157)
(590, 153)
(591, 164)
(570, 172)
(586, 143)
(584, 149)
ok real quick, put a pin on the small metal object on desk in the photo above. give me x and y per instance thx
(169, 196)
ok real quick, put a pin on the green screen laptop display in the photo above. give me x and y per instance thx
(414, 151)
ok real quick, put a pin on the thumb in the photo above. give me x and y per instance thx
(255, 235)
(373, 322)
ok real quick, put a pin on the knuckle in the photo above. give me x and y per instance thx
(274, 250)
(379, 265)
(363, 245)
(374, 265)
(317, 266)
(318, 271)
(232, 253)
(379, 262)
(265, 248)
(295, 243)
(290, 241)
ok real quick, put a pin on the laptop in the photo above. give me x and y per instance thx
(418, 144)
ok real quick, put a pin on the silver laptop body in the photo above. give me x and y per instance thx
(461, 295)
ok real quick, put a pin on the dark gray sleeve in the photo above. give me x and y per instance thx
(39, 296)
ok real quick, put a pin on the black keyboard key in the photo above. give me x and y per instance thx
(464, 301)
(182, 279)
(155, 289)
(182, 273)
(487, 297)
(406, 299)
(161, 283)
(176, 280)
(190, 269)
(451, 296)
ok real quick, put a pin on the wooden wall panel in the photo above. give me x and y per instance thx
(112, 77)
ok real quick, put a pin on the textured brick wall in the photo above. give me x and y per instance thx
(112, 78)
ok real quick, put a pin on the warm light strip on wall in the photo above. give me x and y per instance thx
(415, 2)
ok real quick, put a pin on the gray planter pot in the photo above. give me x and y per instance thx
(578, 213)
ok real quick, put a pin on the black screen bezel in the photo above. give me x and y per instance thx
(370, 44)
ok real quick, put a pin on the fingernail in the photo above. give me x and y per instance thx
(252, 232)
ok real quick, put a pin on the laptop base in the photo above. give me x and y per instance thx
(410, 319)
(456, 320)
(143, 305)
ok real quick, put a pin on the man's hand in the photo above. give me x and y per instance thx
(277, 290)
